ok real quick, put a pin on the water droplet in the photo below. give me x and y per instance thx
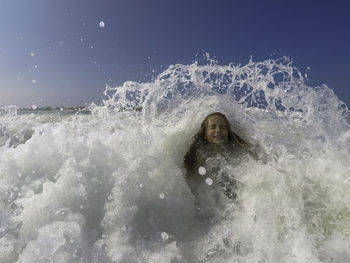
(34, 107)
(164, 236)
(102, 24)
(209, 181)
(202, 170)
(161, 196)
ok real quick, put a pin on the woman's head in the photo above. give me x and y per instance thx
(215, 129)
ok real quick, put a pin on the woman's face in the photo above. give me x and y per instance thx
(217, 130)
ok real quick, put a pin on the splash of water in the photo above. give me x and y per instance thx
(109, 187)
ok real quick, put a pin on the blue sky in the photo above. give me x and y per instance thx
(55, 53)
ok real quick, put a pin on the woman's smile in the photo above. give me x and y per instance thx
(217, 130)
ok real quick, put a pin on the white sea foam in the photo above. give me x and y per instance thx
(110, 187)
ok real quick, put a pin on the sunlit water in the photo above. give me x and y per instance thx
(109, 186)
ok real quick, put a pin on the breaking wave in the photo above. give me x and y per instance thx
(109, 186)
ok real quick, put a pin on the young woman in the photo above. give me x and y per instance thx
(213, 147)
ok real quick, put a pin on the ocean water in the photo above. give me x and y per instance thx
(109, 186)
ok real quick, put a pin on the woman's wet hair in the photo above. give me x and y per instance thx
(200, 138)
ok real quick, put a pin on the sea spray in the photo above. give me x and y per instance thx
(110, 187)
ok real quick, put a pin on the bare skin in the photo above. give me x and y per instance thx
(217, 130)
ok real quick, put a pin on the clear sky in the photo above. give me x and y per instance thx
(54, 52)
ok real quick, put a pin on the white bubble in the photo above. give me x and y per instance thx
(209, 181)
(33, 172)
(34, 107)
(92, 47)
(32, 54)
(141, 185)
(33, 81)
(202, 170)
(161, 196)
(101, 24)
(164, 236)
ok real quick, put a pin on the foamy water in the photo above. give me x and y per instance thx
(109, 187)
